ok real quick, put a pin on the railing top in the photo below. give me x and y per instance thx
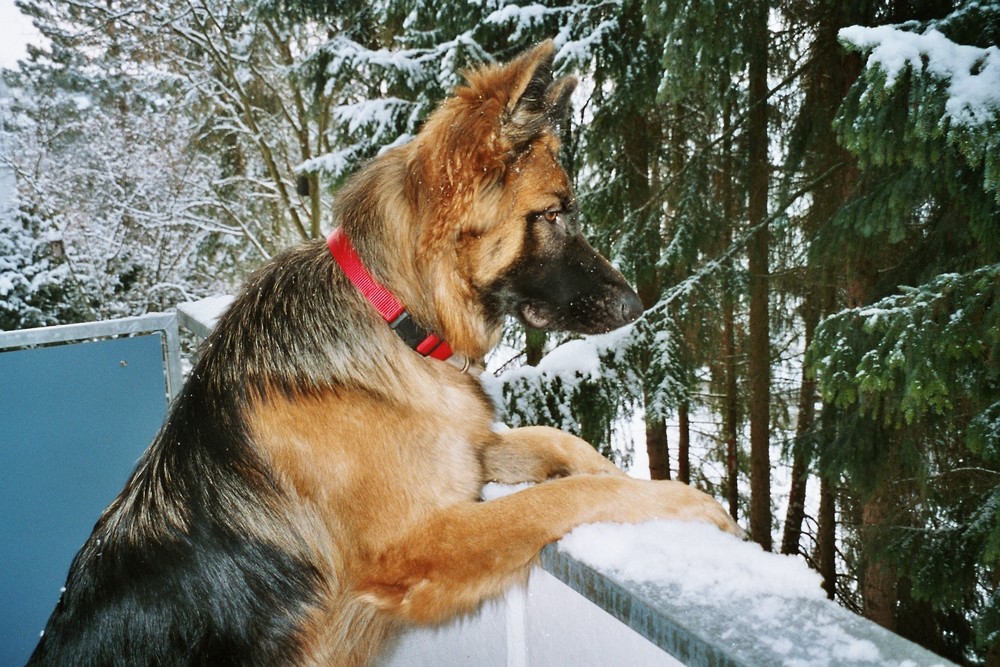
(62, 333)
(199, 317)
(709, 599)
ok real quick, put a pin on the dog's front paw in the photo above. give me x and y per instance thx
(572, 455)
(675, 500)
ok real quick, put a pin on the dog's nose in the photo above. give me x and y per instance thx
(630, 307)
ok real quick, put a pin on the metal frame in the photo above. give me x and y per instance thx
(163, 323)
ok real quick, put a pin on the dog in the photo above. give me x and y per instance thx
(316, 484)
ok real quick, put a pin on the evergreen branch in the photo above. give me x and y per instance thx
(684, 288)
(737, 125)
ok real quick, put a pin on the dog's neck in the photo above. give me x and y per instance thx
(388, 306)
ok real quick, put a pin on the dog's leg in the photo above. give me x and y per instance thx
(458, 556)
(538, 453)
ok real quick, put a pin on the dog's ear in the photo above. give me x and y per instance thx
(536, 102)
(557, 101)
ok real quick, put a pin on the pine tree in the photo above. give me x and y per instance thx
(910, 373)
(36, 282)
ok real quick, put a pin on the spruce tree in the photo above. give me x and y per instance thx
(909, 372)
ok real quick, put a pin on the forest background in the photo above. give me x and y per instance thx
(810, 212)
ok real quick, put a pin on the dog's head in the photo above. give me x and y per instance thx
(495, 216)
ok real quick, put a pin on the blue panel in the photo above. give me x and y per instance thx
(73, 421)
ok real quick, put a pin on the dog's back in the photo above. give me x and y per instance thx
(194, 562)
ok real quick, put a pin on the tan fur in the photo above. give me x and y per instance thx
(382, 475)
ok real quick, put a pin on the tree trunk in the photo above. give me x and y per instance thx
(730, 406)
(792, 534)
(759, 367)
(879, 577)
(800, 468)
(639, 134)
(684, 444)
(657, 448)
(826, 538)
(315, 206)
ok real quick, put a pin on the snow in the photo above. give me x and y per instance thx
(580, 50)
(523, 18)
(729, 591)
(973, 73)
(527, 391)
(576, 39)
(573, 360)
(378, 114)
(766, 600)
(207, 311)
(701, 561)
(334, 164)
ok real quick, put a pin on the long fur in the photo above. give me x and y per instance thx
(315, 485)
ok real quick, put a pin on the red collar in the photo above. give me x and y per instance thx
(391, 310)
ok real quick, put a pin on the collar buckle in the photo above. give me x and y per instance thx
(391, 310)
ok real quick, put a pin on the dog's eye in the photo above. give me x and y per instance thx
(553, 216)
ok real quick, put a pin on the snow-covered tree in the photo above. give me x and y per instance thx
(36, 283)
(252, 81)
(106, 149)
(910, 374)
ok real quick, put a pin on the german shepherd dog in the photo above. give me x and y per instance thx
(316, 485)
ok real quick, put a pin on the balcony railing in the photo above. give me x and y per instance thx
(663, 593)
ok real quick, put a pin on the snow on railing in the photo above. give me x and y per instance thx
(708, 598)
(199, 317)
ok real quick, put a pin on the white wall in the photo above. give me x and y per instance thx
(549, 625)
